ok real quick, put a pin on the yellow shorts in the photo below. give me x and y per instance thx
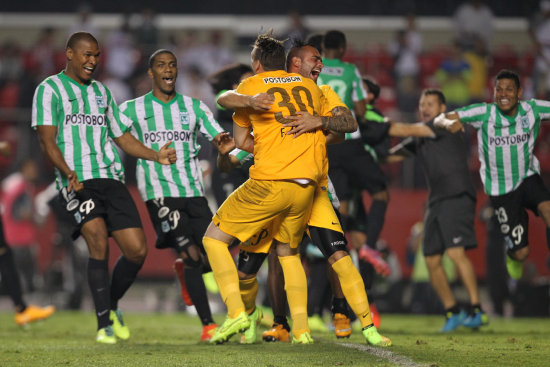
(322, 216)
(257, 203)
(259, 243)
(322, 212)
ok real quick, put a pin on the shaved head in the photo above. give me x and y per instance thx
(75, 38)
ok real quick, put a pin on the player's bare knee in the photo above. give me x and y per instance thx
(137, 255)
(337, 256)
(433, 262)
(521, 254)
(244, 276)
(191, 256)
(284, 249)
(457, 254)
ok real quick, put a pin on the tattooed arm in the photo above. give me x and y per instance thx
(341, 121)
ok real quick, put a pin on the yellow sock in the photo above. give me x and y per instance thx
(249, 290)
(296, 293)
(353, 288)
(225, 272)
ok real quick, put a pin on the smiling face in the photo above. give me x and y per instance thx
(82, 59)
(507, 96)
(310, 64)
(163, 72)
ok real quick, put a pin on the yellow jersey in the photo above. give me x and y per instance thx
(278, 156)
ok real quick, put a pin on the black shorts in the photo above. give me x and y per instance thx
(101, 197)
(179, 222)
(510, 210)
(449, 223)
(354, 167)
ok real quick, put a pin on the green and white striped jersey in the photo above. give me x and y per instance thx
(156, 123)
(344, 78)
(505, 144)
(241, 155)
(87, 119)
(244, 157)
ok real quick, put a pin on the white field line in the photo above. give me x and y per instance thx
(384, 353)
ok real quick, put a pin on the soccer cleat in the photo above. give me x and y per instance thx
(119, 327)
(249, 336)
(178, 267)
(230, 327)
(33, 313)
(276, 333)
(373, 257)
(477, 319)
(515, 268)
(374, 338)
(208, 332)
(342, 327)
(454, 320)
(304, 338)
(316, 323)
(375, 315)
(106, 335)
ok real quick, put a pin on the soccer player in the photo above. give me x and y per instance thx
(174, 194)
(507, 130)
(449, 220)
(77, 121)
(282, 183)
(24, 313)
(324, 226)
(345, 80)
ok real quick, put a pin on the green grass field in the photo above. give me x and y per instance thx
(67, 339)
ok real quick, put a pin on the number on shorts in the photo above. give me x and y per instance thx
(501, 215)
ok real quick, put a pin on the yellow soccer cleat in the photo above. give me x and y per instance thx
(276, 333)
(342, 325)
(249, 336)
(230, 327)
(33, 313)
(304, 338)
(106, 335)
(374, 338)
(119, 327)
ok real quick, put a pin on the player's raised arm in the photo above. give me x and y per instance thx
(258, 102)
(403, 130)
(449, 121)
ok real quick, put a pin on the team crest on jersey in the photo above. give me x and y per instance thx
(100, 102)
(184, 118)
(524, 122)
